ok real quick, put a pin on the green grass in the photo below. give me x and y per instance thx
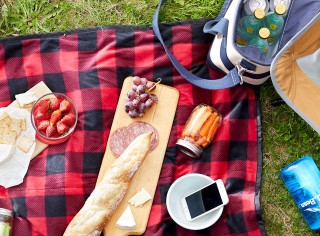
(286, 137)
(30, 16)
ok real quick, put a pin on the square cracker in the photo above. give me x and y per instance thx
(9, 137)
(23, 123)
(16, 126)
(3, 115)
(4, 126)
(25, 143)
(6, 120)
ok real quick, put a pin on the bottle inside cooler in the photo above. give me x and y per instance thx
(261, 41)
(274, 21)
(248, 27)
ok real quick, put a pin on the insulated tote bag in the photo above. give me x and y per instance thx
(240, 64)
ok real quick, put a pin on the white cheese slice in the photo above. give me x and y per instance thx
(140, 198)
(25, 98)
(6, 151)
(126, 220)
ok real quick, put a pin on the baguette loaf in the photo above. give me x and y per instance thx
(107, 195)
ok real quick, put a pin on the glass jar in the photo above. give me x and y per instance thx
(5, 222)
(199, 130)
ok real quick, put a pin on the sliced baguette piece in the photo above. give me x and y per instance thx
(107, 195)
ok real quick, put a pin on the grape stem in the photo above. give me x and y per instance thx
(158, 82)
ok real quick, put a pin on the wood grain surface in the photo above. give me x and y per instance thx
(160, 116)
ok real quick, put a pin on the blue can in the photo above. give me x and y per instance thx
(302, 178)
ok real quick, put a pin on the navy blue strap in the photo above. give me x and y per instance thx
(230, 80)
(215, 27)
(210, 24)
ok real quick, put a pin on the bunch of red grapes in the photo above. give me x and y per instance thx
(138, 98)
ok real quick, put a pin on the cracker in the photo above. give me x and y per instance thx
(16, 126)
(3, 115)
(30, 105)
(9, 137)
(26, 99)
(4, 126)
(6, 120)
(23, 123)
(25, 143)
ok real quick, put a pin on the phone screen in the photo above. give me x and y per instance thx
(204, 200)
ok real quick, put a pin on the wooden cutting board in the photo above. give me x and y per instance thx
(39, 90)
(161, 117)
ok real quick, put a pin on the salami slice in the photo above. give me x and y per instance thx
(122, 137)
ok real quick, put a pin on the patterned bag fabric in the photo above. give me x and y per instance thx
(90, 65)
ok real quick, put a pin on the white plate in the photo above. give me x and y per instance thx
(182, 187)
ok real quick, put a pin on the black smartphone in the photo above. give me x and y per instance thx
(205, 200)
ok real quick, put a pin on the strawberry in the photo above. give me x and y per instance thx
(39, 116)
(51, 130)
(43, 125)
(69, 119)
(43, 105)
(65, 106)
(55, 116)
(54, 104)
(62, 128)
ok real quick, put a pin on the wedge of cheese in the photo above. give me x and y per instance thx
(126, 220)
(6, 151)
(140, 198)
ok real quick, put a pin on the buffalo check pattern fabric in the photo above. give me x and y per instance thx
(90, 65)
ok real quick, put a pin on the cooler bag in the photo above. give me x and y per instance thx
(295, 73)
(294, 66)
(240, 64)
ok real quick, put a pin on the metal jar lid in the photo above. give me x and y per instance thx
(259, 13)
(264, 33)
(188, 148)
(280, 9)
(6, 212)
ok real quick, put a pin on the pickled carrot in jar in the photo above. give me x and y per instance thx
(199, 130)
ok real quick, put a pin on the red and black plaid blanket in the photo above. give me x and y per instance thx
(90, 65)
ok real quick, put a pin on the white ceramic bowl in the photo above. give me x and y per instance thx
(182, 187)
